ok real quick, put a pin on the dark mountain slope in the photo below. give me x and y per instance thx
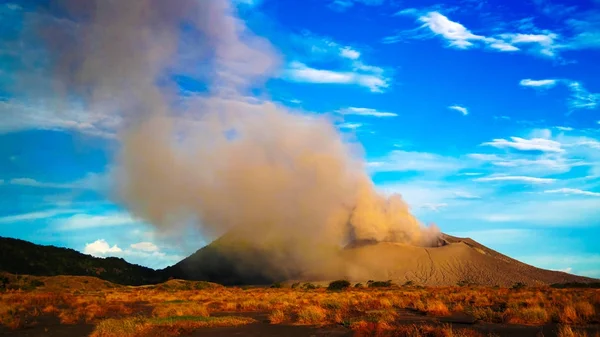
(23, 257)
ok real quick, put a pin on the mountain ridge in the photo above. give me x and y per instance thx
(453, 261)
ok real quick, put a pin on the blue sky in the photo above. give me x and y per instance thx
(484, 115)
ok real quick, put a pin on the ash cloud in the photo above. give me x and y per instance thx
(277, 180)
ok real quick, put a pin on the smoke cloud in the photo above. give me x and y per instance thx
(280, 181)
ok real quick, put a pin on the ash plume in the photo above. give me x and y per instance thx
(281, 181)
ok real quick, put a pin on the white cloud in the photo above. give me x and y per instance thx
(522, 144)
(465, 195)
(143, 253)
(532, 210)
(86, 221)
(460, 109)
(434, 207)
(422, 194)
(35, 215)
(91, 181)
(352, 126)
(516, 179)
(457, 35)
(366, 112)
(34, 183)
(544, 43)
(546, 260)
(101, 248)
(470, 174)
(565, 270)
(299, 72)
(573, 191)
(542, 84)
(145, 246)
(564, 128)
(349, 53)
(17, 116)
(343, 5)
(403, 161)
(582, 98)
(345, 64)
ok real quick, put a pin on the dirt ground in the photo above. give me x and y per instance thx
(51, 327)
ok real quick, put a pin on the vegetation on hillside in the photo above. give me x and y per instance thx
(23, 257)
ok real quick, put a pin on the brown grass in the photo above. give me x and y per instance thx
(312, 315)
(177, 305)
(437, 308)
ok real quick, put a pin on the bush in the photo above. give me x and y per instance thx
(309, 286)
(409, 283)
(359, 285)
(518, 285)
(338, 285)
(277, 285)
(295, 285)
(379, 284)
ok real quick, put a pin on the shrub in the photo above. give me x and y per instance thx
(338, 285)
(309, 286)
(380, 284)
(277, 285)
(409, 283)
(359, 285)
(295, 285)
(518, 285)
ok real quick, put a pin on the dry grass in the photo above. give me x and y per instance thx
(171, 326)
(567, 331)
(178, 305)
(312, 315)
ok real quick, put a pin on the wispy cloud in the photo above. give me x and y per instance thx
(87, 221)
(366, 112)
(32, 216)
(352, 126)
(542, 44)
(460, 109)
(344, 5)
(299, 72)
(16, 115)
(145, 246)
(403, 161)
(345, 63)
(433, 23)
(580, 97)
(574, 191)
(522, 144)
(541, 84)
(92, 181)
(515, 179)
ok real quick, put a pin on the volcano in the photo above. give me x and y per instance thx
(451, 260)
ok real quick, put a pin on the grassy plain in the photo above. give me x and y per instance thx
(179, 307)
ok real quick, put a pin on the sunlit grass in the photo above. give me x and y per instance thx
(178, 306)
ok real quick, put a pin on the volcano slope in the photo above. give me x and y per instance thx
(229, 260)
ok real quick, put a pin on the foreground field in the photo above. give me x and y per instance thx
(86, 306)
